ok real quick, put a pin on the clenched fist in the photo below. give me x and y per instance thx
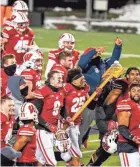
(118, 41)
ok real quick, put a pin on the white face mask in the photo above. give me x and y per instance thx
(57, 80)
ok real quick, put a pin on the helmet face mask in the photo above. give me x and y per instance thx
(20, 21)
(22, 26)
(67, 42)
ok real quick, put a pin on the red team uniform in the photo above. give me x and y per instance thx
(74, 99)
(4, 86)
(28, 153)
(6, 127)
(32, 75)
(53, 102)
(17, 43)
(53, 55)
(61, 69)
(8, 22)
(134, 108)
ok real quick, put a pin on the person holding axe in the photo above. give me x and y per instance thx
(93, 67)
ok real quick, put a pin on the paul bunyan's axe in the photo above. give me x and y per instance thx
(114, 71)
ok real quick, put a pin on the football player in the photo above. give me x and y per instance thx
(7, 120)
(49, 103)
(26, 137)
(33, 61)
(66, 43)
(64, 64)
(128, 114)
(105, 111)
(8, 69)
(76, 93)
(18, 6)
(17, 40)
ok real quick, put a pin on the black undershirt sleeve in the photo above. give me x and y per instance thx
(124, 131)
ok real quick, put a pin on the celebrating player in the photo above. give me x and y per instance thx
(17, 40)
(128, 114)
(7, 120)
(66, 43)
(18, 6)
(33, 60)
(26, 137)
(105, 111)
(49, 103)
(65, 63)
(76, 93)
(8, 69)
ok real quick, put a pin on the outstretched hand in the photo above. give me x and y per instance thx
(118, 41)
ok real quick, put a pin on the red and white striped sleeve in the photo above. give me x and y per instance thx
(123, 106)
(26, 132)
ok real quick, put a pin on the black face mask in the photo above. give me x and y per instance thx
(10, 70)
(24, 91)
(96, 61)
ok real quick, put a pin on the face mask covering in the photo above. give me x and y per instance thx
(10, 70)
(24, 91)
(96, 61)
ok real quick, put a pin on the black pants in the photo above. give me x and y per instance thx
(100, 156)
(25, 164)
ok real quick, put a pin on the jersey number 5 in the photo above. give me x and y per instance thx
(79, 101)
(21, 46)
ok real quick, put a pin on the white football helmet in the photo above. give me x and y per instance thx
(109, 141)
(66, 37)
(20, 21)
(33, 59)
(28, 111)
(20, 6)
(62, 142)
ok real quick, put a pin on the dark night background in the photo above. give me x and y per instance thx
(75, 4)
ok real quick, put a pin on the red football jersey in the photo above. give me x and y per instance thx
(74, 99)
(17, 43)
(61, 69)
(32, 75)
(54, 55)
(134, 109)
(28, 153)
(6, 125)
(4, 86)
(125, 95)
(53, 102)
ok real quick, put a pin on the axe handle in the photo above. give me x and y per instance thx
(88, 101)
(111, 75)
(91, 98)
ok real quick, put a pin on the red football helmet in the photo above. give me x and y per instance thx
(34, 59)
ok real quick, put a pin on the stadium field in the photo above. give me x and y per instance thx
(49, 39)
